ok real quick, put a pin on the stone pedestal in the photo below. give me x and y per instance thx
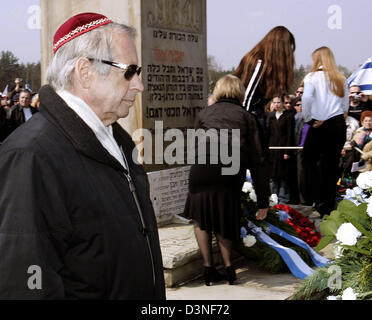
(182, 259)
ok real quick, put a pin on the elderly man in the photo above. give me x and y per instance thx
(76, 220)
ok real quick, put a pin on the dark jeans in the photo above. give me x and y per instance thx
(321, 156)
(304, 193)
(279, 186)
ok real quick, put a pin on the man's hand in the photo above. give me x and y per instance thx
(286, 157)
(261, 215)
(317, 123)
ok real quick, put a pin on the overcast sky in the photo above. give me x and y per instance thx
(235, 26)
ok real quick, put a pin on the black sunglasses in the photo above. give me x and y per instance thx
(129, 70)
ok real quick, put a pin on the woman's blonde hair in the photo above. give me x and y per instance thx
(229, 86)
(324, 57)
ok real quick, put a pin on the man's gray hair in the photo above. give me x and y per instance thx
(95, 44)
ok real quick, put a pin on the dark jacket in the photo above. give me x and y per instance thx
(280, 133)
(257, 108)
(17, 117)
(229, 114)
(3, 127)
(66, 206)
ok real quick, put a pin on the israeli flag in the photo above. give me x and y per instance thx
(27, 87)
(5, 92)
(362, 77)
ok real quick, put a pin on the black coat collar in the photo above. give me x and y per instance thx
(54, 108)
(19, 108)
(230, 100)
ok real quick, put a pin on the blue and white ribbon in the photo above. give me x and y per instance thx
(294, 262)
(318, 260)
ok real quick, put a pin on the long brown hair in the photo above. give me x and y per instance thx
(323, 56)
(276, 50)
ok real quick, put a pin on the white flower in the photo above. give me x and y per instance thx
(347, 234)
(349, 294)
(369, 207)
(247, 187)
(249, 241)
(355, 195)
(364, 180)
(333, 297)
(253, 195)
(358, 191)
(273, 200)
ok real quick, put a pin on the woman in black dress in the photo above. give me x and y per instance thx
(214, 196)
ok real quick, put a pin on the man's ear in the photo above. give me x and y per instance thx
(84, 72)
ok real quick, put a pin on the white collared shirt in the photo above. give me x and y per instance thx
(104, 134)
(318, 101)
(27, 113)
(278, 114)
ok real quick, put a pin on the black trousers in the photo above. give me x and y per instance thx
(321, 156)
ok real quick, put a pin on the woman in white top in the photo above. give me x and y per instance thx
(324, 104)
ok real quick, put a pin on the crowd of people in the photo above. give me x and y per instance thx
(286, 127)
(17, 106)
(298, 148)
(86, 216)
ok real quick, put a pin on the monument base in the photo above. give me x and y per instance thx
(182, 259)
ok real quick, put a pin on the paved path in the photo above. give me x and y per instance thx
(252, 284)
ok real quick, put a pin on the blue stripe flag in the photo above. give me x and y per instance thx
(296, 265)
(362, 77)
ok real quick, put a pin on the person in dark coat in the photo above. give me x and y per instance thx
(280, 129)
(213, 201)
(22, 112)
(76, 220)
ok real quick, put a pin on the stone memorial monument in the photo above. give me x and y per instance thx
(171, 46)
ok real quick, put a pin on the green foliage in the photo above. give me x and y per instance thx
(355, 262)
(345, 71)
(215, 72)
(299, 75)
(347, 211)
(351, 269)
(313, 285)
(10, 68)
(365, 276)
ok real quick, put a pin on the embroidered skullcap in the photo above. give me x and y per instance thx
(76, 26)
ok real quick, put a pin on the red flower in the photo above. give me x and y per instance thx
(302, 225)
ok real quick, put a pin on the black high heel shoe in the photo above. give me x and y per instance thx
(230, 274)
(211, 275)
